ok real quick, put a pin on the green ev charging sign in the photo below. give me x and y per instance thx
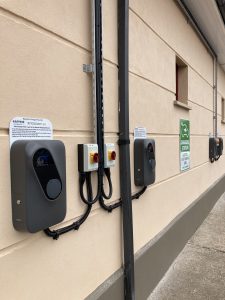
(184, 145)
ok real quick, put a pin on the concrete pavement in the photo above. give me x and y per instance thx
(199, 270)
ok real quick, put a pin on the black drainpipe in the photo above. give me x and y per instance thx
(124, 148)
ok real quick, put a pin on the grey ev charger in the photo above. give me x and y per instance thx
(144, 162)
(38, 184)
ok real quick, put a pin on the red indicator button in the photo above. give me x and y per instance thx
(112, 155)
(95, 158)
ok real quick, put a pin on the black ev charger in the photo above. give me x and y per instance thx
(215, 148)
(144, 162)
(38, 184)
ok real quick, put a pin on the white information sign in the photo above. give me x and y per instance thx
(30, 129)
(140, 133)
(184, 160)
(184, 145)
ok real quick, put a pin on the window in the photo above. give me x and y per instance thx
(223, 110)
(181, 81)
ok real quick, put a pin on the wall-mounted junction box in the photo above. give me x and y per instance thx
(38, 184)
(87, 157)
(144, 162)
(109, 155)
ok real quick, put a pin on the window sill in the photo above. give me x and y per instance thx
(182, 105)
(223, 121)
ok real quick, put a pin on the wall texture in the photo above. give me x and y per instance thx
(43, 45)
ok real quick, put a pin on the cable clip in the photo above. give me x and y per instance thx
(76, 226)
(88, 68)
(123, 142)
(56, 235)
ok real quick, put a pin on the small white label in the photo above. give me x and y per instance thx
(140, 133)
(184, 160)
(30, 129)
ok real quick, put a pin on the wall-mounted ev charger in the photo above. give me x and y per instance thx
(144, 162)
(215, 148)
(38, 184)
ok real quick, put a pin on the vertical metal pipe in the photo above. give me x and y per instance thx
(124, 148)
(215, 95)
(93, 70)
(99, 80)
(214, 131)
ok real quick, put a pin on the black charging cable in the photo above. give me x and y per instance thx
(108, 176)
(82, 178)
(104, 197)
(113, 206)
(109, 208)
(75, 225)
(139, 194)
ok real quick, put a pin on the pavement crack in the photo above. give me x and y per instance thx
(206, 248)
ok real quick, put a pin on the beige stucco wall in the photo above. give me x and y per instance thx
(43, 45)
